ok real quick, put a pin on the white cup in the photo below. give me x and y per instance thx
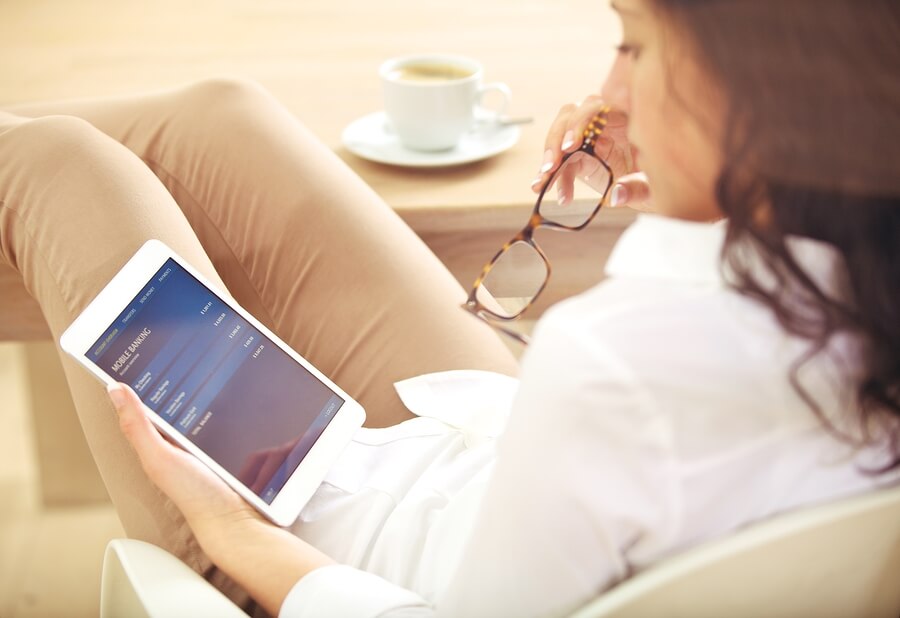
(430, 99)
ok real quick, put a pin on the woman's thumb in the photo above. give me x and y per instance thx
(132, 420)
(118, 396)
(633, 191)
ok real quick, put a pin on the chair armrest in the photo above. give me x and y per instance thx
(140, 579)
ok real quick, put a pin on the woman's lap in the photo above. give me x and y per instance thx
(254, 201)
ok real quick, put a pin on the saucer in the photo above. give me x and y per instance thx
(372, 138)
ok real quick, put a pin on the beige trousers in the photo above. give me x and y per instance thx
(228, 178)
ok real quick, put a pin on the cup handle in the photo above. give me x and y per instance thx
(493, 115)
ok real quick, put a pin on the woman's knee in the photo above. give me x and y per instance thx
(54, 162)
(47, 164)
(215, 90)
(222, 102)
(49, 143)
(62, 177)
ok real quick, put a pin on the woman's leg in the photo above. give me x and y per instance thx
(300, 240)
(74, 205)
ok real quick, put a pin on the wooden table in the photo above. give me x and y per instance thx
(320, 58)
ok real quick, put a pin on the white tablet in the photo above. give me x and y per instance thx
(216, 381)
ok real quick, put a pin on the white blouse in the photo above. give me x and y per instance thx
(653, 412)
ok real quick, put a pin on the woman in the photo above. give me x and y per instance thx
(741, 360)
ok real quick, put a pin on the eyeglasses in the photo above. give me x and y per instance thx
(511, 281)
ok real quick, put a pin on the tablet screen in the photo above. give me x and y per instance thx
(210, 374)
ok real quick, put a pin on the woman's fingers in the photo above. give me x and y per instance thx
(565, 185)
(566, 134)
(579, 120)
(552, 146)
(632, 191)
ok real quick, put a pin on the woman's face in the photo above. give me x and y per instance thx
(674, 113)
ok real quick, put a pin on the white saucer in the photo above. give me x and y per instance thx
(371, 137)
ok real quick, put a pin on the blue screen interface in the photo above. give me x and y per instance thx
(211, 375)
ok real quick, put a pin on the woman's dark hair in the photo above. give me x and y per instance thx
(812, 148)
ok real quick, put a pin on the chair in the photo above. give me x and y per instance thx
(837, 560)
(141, 580)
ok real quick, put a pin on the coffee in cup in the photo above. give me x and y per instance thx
(431, 100)
(429, 71)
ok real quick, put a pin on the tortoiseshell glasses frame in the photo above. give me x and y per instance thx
(498, 315)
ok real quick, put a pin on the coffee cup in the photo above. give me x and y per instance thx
(431, 99)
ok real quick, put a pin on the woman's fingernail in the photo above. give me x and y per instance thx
(568, 140)
(536, 182)
(619, 196)
(116, 395)
(548, 162)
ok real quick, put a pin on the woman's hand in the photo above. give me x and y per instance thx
(566, 135)
(207, 503)
(263, 558)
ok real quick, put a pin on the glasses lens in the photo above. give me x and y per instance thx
(513, 281)
(575, 191)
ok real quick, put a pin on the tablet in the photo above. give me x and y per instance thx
(216, 381)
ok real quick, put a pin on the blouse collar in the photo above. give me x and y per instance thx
(671, 249)
(660, 247)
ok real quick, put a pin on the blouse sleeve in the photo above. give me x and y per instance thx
(582, 485)
(341, 591)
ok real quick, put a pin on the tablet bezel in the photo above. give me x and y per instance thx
(121, 291)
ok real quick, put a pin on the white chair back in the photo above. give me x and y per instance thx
(837, 560)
